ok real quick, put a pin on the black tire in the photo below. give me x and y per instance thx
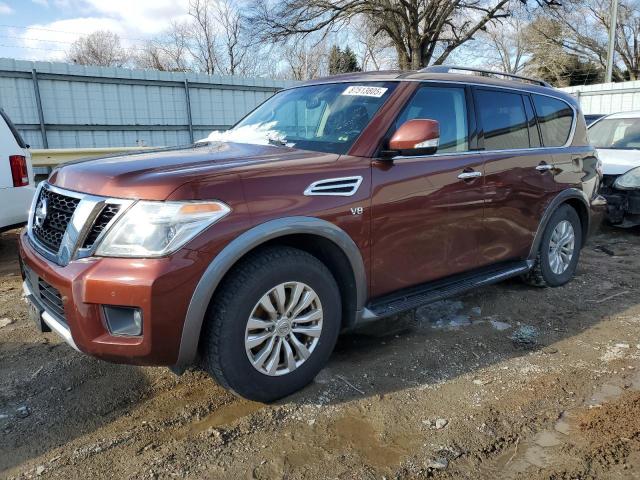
(223, 340)
(541, 275)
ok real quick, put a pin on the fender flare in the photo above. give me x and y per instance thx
(562, 197)
(239, 247)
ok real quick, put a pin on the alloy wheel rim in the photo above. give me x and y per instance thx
(561, 247)
(283, 329)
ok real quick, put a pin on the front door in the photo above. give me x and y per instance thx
(427, 211)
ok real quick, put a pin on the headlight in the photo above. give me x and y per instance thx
(629, 180)
(155, 229)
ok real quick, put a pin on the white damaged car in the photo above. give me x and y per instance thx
(617, 139)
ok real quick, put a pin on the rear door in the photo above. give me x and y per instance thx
(519, 175)
(426, 220)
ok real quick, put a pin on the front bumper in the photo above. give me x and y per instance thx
(598, 213)
(623, 206)
(161, 288)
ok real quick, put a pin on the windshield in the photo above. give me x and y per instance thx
(616, 133)
(325, 118)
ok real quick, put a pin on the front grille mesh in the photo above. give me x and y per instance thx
(107, 214)
(60, 209)
(51, 299)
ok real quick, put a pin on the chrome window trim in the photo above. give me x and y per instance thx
(81, 223)
(476, 152)
(567, 144)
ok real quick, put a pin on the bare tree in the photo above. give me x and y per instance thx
(376, 51)
(506, 45)
(101, 48)
(306, 59)
(204, 35)
(232, 38)
(168, 52)
(550, 60)
(421, 31)
(583, 30)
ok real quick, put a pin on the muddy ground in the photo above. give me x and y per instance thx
(505, 382)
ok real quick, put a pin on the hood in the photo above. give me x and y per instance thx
(617, 162)
(153, 175)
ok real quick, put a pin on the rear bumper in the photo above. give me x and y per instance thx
(161, 288)
(15, 206)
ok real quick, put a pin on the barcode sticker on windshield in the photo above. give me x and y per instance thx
(362, 91)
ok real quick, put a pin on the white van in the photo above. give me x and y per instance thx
(16, 176)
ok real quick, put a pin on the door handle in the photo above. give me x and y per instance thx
(543, 167)
(469, 175)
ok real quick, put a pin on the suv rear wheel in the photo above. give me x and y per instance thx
(559, 250)
(273, 324)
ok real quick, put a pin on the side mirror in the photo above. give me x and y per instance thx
(416, 137)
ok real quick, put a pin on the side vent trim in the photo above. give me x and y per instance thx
(340, 187)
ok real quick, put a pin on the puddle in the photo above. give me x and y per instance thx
(225, 416)
(606, 393)
(359, 435)
(547, 447)
(547, 439)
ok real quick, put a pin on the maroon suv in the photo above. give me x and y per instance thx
(336, 202)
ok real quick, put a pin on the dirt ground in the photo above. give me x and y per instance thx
(506, 382)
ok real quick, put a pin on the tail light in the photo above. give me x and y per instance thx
(19, 170)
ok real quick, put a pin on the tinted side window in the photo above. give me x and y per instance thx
(534, 135)
(448, 106)
(555, 118)
(503, 120)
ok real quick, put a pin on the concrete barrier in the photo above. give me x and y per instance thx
(49, 158)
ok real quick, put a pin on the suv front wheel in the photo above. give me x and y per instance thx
(273, 324)
(559, 250)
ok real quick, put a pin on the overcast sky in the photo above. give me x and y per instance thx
(45, 29)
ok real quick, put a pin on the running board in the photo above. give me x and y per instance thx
(409, 299)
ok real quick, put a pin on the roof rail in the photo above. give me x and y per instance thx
(483, 73)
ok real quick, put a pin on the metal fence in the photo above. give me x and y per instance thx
(58, 105)
(607, 98)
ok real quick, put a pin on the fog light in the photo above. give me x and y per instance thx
(126, 321)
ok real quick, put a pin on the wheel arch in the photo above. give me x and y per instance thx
(578, 200)
(323, 239)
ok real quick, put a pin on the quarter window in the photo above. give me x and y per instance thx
(448, 106)
(555, 118)
(503, 120)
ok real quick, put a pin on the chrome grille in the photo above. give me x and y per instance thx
(72, 223)
(60, 209)
(107, 214)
